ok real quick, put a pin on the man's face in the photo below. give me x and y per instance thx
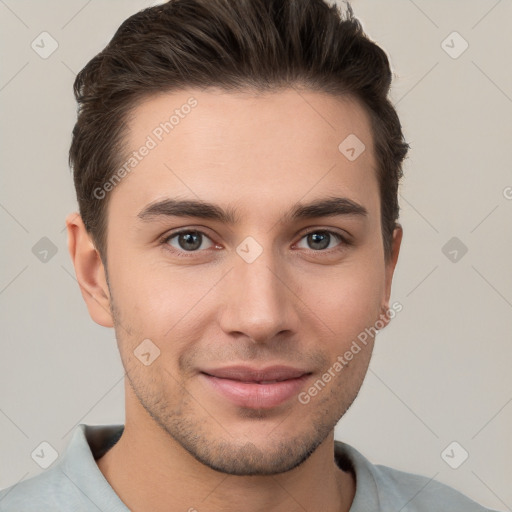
(234, 307)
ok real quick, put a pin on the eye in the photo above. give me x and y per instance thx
(188, 241)
(194, 241)
(322, 239)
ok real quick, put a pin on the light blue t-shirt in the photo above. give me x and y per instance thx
(75, 483)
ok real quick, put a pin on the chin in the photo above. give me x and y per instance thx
(249, 460)
(265, 452)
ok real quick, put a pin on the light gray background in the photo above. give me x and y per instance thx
(440, 371)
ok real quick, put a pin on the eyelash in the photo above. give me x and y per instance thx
(344, 242)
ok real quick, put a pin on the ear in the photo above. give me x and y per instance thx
(89, 270)
(390, 269)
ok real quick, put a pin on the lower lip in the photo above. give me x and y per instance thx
(254, 395)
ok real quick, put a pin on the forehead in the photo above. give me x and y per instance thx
(251, 118)
(225, 146)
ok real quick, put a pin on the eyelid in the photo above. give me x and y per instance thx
(317, 229)
(164, 239)
(343, 238)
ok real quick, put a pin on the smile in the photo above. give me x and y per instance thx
(256, 388)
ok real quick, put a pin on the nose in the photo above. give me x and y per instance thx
(259, 301)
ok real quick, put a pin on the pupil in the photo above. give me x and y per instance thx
(190, 240)
(322, 238)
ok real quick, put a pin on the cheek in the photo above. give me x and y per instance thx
(158, 301)
(348, 300)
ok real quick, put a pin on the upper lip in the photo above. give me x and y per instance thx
(248, 374)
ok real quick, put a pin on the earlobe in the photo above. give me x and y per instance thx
(89, 270)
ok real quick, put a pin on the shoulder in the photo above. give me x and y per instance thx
(74, 482)
(380, 487)
(49, 490)
(420, 493)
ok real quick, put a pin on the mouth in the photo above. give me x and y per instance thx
(256, 388)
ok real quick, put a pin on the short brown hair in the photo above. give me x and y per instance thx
(234, 45)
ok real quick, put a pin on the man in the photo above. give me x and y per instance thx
(236, 166)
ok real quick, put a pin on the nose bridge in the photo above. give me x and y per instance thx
(258, 303)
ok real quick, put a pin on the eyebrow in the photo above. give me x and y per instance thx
(327, 207)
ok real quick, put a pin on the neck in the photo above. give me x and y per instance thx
(151, 472)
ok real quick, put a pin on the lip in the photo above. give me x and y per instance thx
(257, 388)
